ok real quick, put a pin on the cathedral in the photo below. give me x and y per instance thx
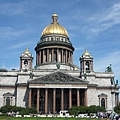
(55, 83)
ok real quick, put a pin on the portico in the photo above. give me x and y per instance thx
(53, 97)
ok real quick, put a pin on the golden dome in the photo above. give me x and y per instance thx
(27, 51)
(86, 53)
(54, 27)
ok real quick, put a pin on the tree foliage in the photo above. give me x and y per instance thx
(21, 110)
(24, 111)
(117, 109)
(83, 109)
(6, 108)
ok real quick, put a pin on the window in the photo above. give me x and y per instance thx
(87, 66)
(8, 101)
(8, 98)
(58, 39)
(25, 62)
(103, 102)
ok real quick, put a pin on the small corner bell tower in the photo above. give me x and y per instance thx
(86, 62)
(26, 60)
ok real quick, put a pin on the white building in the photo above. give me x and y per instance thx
(55, 83)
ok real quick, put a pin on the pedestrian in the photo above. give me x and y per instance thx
(111, 116)
(117, 117)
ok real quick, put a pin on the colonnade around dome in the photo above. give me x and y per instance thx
(54, 55)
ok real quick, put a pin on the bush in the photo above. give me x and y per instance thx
(95, 109)
(6, 108)
(14, 109)
(4, 114)
(117, 109)
(21, 110)
(74, 110)
(33, 110)
(83, 109)
(25, 111)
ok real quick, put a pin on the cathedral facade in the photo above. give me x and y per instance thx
(55, 83)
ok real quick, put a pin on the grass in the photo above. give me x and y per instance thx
(39, 118)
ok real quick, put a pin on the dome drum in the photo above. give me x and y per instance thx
(54, 47)
(52, 44)
(54, 54)
(54, 37)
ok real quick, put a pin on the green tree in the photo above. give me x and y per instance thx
(95, 109)
(117, 109)
(84, 109)
(6, 108)
(25, 111)
(33, 110)
(74, 110)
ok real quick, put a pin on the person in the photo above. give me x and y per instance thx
(117, 117)
(111, 116)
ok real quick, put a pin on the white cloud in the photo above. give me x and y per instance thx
(11, 33)
(11, 8)
(112, 14)
(80, 48)
(7, 32)
(111, 58)
(22, 44)
(103, 21)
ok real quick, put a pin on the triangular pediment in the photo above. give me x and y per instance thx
(102, 95)
(26, 55)
(58, 77)
(8, 94)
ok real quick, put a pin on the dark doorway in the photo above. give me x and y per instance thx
(103, 102)
(58, 101)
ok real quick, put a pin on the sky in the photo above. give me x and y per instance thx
(91, 24)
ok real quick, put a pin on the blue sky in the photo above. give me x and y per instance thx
(91, 24)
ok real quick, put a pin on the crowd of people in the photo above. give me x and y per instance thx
(110, 116)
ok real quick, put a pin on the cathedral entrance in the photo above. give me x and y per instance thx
(53, 100)
(74, 97)
(58, 100)
(66, 99)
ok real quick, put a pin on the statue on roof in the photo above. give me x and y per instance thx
(85, 76)
(58, 65)
(116, 82)
(112, 81)
(109, 69)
